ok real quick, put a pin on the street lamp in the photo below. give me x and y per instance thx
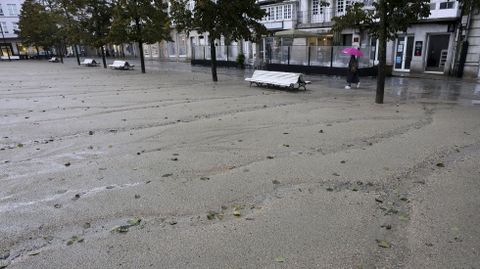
(4, 41)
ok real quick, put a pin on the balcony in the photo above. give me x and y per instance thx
(443, 9)
(280, 16)
(322, 17)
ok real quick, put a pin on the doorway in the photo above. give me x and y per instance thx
(437, 53)
(403, 53)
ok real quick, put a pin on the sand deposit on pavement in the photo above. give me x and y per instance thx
(105, 169)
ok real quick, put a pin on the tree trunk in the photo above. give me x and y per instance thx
(60, 51)
(382, 54)
(76, 54)
(142, 57)
(103, 57)
(140, 44)
(213, 56)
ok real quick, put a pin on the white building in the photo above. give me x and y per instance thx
(9, 15)
(428, 46)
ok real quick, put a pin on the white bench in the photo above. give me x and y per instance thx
(281, 79)
(12, 57)
(121, 65)
(54, 60)
(89, 62)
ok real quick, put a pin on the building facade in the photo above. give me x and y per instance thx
(9, 16)
(471, 34)
(429, 46)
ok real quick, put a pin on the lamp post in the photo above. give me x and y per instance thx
(4, 41)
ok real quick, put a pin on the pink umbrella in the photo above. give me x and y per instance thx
(353, 51)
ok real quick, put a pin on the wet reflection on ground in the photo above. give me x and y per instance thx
(404, 89)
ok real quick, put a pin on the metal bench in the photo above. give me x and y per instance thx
(12, 57)
(54, 60)
(121, 65)
(280, 79)
(89, 62)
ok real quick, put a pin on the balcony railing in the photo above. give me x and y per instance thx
(323, 15)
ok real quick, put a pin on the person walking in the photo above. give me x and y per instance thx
(352, 73)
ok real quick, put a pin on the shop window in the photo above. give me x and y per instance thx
(447, 5)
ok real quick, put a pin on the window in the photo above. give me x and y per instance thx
(447, 5)
(12, 9)
(342, 5)
(4, 27)
(315, 7)
(433, 6)
(270, 13)
(287, 11)
(15, 27)
(1, 10)
(278, 13)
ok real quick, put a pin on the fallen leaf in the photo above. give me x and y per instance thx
(211, 215)
(74, 239)
(120, 229)
(404, 217)
(280, 259)
(34, 253)
(440, 165)
(134, 221)
(383, 243)
(237, 213)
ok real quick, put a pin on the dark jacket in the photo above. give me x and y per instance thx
(352, 75)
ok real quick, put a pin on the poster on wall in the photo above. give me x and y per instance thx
(418, 48)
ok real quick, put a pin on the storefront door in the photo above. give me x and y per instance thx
(437, 52)
(403, 53)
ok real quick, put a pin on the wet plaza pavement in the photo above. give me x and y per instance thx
(118, 169)
(403, 89)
